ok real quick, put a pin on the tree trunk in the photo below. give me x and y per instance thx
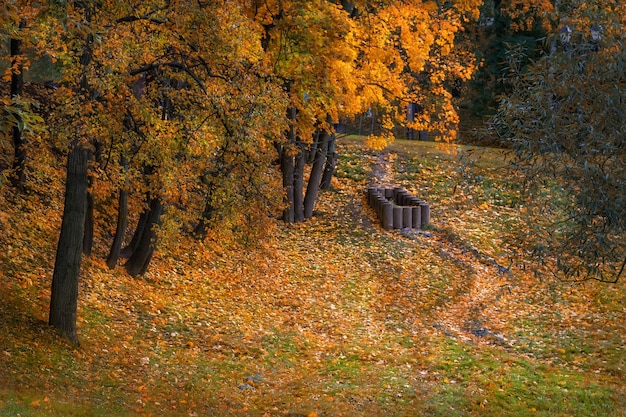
(64, 296)
(64, 292)
(316, 175)
(138, 262)
(287, 169)
(127, 251)
(331, 163)
(122, 222)
(298, 185)
(311, 153)
(90, 218)
(207, 214)
(141, 224)
(18, 178)
(120, 229)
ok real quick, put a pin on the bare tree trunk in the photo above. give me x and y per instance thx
(141, 224)
(134, 241)
(90, 218)
(317, 170)
(207, 214)
(120, 229)
(64, 296)
(64, 292)
(18, 179)
(122, 221)
(138, 262)
(331, 163)
(298, 185)
(287, 169)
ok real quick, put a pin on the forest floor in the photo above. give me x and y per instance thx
(331, 317)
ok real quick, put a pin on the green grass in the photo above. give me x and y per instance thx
(336, 317)
(484, 381)
(350, 166)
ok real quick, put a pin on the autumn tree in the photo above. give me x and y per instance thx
(565, 120)
(308, 46)
(339, 58)
(79, 97)
(16, 113)
(180, 107)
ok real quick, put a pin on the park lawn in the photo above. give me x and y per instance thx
(332, 317)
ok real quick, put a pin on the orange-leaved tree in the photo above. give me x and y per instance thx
(310, 50)
(78, 104)
(339, 58)
(410, 62)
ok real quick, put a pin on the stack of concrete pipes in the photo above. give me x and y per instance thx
(398, 209)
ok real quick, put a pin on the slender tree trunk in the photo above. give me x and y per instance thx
(200, 230)
(138, 262)
(90, 217)
(122, 221)
(287, 169)
(120, 229)
(298, 185)
(64, 292)
(316, 175)
(64, 296)
(18, 179)
(312, 151)
(331, 163)
(360, 124)
(128, 250)
(143, 219)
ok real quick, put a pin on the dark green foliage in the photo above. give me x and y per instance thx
(565, 121)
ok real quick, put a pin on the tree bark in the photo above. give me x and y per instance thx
(143, 219)
(200, 231)
(120, 229)
(64, 292)
(138, 262)
(18, 179)
(316, 174)
(287, 169)
(122, 222)
(89, 219)
(298, 185)
(331, 163)
(128, 250)
(64, 296)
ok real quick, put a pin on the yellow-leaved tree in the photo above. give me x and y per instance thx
(180, 108)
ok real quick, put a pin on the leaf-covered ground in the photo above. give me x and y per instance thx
(333, 317)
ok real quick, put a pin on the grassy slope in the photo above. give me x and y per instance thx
(331, 317)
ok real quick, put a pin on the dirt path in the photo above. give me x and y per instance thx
(383, 174)
(485, 281)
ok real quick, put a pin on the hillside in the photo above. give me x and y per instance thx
(330, 317)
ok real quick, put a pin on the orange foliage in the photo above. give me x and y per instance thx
(527, 15)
